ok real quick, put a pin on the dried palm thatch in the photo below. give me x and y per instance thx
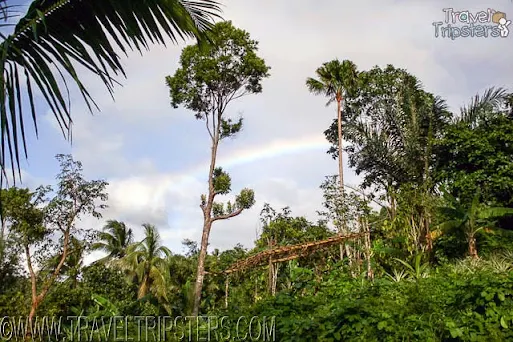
(285, 253)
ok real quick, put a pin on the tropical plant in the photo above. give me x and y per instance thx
(470, 218)
(483, 107)
(391, 127)
(55, 36)
(396, 275)
(474, 151)
(114, 239)
(146, 262)
(417, 269)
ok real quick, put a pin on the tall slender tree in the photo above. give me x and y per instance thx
(335, 80)
(206, 82)
(74, 198)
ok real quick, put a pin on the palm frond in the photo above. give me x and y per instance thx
(7, 12)
(494, 212)
(56, 35)
(491, 99)
(315, 86)
(334, 78)
(450, 225)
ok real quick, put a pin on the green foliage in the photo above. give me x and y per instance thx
(114, 286)
(209, 78)
(22, 214)
(245, 199)
(336, 79)
(478, 156)
(390, 122)
(145, 262)
(349, 206)
(229, 128)
(444, 306)
(75, 196)
(401, 139)
(469, 218)
(45, 45)
(114, 239)
(283, 229)
(417, 269)
(222, 181)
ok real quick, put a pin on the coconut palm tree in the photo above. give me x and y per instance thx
(335, 80)
(114, 239)
(145, 261)
(45, 46)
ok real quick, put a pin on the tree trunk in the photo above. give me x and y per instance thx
(207, 225)
(341, 176)
(365, 224)
(201, 268)
(393, 209)
(472, 248)
(271, 269)
(226, 284)
(2, 242)
(33, 309)
(143, 288)
(429, 239)
(340, 145)
(276, 268)
(37, 299)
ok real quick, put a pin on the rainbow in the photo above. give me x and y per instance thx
(273, 149)
(251, 154)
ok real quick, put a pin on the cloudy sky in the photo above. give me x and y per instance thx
(155, 157)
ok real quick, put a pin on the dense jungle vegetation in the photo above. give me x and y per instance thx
(430, 256)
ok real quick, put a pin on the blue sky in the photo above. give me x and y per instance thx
(153, 155)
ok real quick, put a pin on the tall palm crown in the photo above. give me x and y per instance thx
(54, 36)
(146, 262)
(114, 239)
(334, 80)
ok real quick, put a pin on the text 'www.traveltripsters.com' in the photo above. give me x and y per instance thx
(139, 328)
(463, 24)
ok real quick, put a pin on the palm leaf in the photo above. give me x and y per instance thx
(334, 77)
(494, 212)
(56, 35)
(491, 99)
(450, 225)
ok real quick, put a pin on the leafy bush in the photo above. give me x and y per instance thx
(470, 302)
